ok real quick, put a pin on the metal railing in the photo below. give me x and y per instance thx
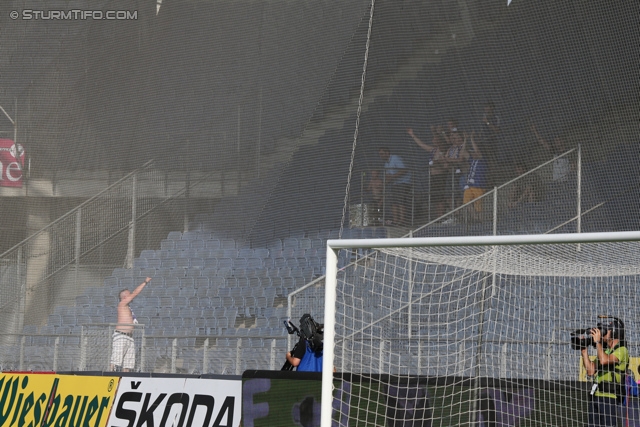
(44, 269)
(498, 216)
(558, 178)
(91, 350)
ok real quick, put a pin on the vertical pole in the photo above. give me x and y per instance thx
(238, 148)
(413, 200)
(429, 196)
(15, 131)
(453, 189)
(78, 244)
(362, 200)
(143, 350)
(329, 335)
(547, 375)
(132, 226)
(82, 366)
(238, 356)
(495, 211)
(384, 195)
(272, 358)
(475, 393)
(259, 133)
(410, 308)
(185, 212)
(205, 357)
(383, 346)
(579, 189)
(21, 361)
(56, 347)
(174, 354)
(23, 290)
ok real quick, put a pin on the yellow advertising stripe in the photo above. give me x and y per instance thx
(40, 400)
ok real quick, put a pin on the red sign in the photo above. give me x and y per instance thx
(11, 163)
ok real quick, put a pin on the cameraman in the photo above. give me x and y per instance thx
(608, 371)
(306, 356)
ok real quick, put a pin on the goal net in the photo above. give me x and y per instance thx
(471, 331)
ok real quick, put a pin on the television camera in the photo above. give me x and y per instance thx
(581, 338)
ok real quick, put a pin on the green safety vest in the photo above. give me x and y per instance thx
(612, 374)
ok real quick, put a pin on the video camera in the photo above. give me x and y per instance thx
(581, 338)
(310, 330)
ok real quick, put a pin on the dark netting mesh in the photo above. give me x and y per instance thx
(224, 142)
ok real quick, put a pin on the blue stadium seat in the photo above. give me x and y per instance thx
(196, 263)
(182, 244)
(148, 254)
(240, 263)
(288, 253)
(154, 263)
(187, 282)
(175, 235)
(228, 243)
(261, 253)
(169, 263)
(190, 235)
(213, 244)
(275, 244)
(254, 263)
(290, 243)
(203, 253)
(166, 245)
(225, 263)
(246, 253)
(230, 253)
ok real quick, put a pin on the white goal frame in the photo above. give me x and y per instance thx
(334, 246)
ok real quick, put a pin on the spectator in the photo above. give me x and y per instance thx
(456, 163)
(397, 185)
(123, 352)
(437, 169)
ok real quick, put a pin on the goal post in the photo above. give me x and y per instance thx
(460, 315)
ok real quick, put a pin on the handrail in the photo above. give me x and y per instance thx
(410, 234)
(74, 210)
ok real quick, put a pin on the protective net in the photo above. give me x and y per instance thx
(458, 327)
(254, 138)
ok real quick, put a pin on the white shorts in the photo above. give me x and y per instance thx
(123, 352)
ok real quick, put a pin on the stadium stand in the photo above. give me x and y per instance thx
(229, 275)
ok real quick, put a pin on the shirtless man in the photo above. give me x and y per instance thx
(123, 355)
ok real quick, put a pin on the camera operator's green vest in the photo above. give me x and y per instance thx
(610, 375)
